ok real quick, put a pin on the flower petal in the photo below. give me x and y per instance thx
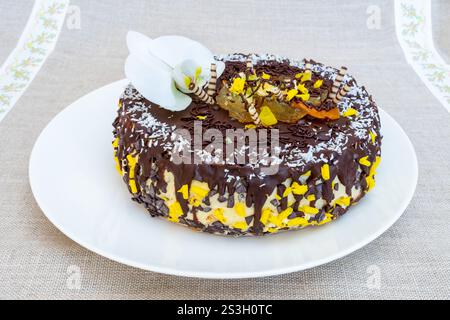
(173, 50)
(154, 81)
(139, 45)
(153, 65)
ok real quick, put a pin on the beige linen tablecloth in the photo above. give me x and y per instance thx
(412, 258)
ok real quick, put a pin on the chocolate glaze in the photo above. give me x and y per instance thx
(135, 135)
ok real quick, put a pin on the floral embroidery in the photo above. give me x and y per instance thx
(413, 26)
(35, 44)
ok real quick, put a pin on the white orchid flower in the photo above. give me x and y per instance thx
(162, 69)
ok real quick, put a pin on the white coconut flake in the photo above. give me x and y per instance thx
(360, 125)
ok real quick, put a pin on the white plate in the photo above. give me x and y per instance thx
(75, 183)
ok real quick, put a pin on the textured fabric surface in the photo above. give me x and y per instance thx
(441, 31)
(13, 17)
(412, 258)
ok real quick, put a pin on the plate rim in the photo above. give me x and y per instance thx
(221, 275)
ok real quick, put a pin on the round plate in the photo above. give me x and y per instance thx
(73, 178)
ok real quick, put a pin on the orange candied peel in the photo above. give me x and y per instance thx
(332, 114)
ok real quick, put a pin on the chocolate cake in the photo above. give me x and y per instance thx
(328, 135)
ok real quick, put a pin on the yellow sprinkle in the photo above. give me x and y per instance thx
(291, 93)
(307, 174)
(250, 126)
(287, 192)
(325, 170)
(118, 165)
(328, 218)
(306, 76)
(375, 165)
(240, 225)
(343, 201)
(199, 191)
(277, 197)
(370, 183)
(201, 117)
(265, 76)
(115, 143)
(267, 117)
(240, 209)
(133, 187)
(297, 222)
(184, 190)
(253, 77)
(238, 86)
(304, 96)
(308, 209)
(284, 214)
(266, 213)
(299, 75)
(298, 189)
(132, 165)
(175, 211)
(272, 230)
(274, 220)
(373, 135)
(131, 160)
(195, 202)
(318, 83)
(363, 161)
(350, 112)
(311, 197)
(302, 88)
(218, 213)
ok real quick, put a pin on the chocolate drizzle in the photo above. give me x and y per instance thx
(144, 129)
